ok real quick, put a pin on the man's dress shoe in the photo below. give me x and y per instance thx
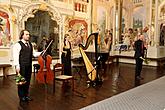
(23, 99)
(28, 98)
(139, 77)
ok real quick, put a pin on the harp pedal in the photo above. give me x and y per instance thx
(91, 83)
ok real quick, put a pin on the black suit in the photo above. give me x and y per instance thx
(139, 52)
(25, 61)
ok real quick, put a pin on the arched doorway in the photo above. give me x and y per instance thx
(42, 20)
(42, 27)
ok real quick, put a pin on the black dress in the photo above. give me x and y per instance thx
(66, 60)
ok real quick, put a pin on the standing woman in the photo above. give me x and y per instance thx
(66, 55)
(22, 54)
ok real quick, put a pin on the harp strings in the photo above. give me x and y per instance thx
(90, 69)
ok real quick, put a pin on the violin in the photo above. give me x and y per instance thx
(45, 74)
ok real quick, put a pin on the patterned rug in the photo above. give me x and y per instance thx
(149, 96)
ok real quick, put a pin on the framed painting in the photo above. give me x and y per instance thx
(139, 17)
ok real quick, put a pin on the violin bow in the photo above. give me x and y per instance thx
(47, 47)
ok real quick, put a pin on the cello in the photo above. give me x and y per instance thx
(45, 74)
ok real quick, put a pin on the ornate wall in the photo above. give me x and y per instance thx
(73, 16)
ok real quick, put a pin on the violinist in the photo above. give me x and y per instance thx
(140, 48)
(22, 54)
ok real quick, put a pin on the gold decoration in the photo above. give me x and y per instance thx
(43, 7)
(13, 19)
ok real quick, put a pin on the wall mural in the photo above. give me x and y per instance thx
(4, 29)
(78, 32)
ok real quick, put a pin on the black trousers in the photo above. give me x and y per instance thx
(102, 60)
(25, 71)
(138, 67)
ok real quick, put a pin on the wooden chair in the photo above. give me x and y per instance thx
(36, 67)
(59, 68)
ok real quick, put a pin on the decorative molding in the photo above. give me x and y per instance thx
(29, 10)
(161, 8)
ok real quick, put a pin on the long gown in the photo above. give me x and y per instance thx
(66, 60)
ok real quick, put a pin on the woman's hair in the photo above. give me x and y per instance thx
(21, 34)
(65, 36)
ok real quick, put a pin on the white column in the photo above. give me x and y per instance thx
(106, 20)
(90, 16)
(156, 37)
(150, 22)
(114, 23)
(118, 21)
(61, 34)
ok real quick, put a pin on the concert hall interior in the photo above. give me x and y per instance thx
(111, 52)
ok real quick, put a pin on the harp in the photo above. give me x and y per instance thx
(91, 70)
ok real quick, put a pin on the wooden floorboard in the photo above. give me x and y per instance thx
(119, 78)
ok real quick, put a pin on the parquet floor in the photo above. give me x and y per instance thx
(118, 78)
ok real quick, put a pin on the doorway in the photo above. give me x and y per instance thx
(42, 27)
